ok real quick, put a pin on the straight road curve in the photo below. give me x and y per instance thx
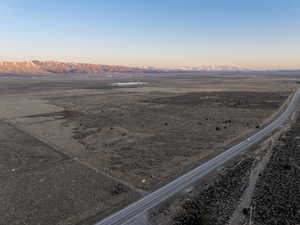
(136, 213)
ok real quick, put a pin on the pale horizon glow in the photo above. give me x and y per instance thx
(258, 34)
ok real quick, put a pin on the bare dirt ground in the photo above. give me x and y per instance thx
(149, 139)
(108, 145)
(242, 192)
(258, 187)
(42, 186)
(277, 196)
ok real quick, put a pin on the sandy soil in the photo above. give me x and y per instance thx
(138, 137)
(42, 186)
(150, 138)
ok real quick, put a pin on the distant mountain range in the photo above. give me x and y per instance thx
(51, 67)
(198, 68)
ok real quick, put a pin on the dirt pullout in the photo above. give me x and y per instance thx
(277, 195)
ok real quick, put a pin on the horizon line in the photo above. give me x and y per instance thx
(162, 67)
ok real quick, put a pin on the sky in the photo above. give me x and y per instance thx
(256, 34)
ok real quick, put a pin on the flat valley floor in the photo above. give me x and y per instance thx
(74, 149)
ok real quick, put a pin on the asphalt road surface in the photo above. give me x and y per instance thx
(136, 213)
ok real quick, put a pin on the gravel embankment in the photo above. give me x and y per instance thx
(215, 204)
(277, 195)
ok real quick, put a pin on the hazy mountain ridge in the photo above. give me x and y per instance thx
(52, 67)
(197, 68)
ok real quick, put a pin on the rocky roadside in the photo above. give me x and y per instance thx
(216, 200)
(277, 194)
(212, 203)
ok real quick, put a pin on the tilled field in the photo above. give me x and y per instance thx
(277, 195)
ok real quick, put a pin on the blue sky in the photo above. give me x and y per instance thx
(258, 34)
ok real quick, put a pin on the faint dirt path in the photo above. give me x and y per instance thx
(72, 156)
(238, 215)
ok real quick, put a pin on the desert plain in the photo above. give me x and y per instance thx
(75, 148)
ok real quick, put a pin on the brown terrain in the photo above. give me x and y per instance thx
(259, 187)
(50, 67)
(74, 150)
(37, 67)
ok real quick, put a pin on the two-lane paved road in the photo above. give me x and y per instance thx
(134, 214)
